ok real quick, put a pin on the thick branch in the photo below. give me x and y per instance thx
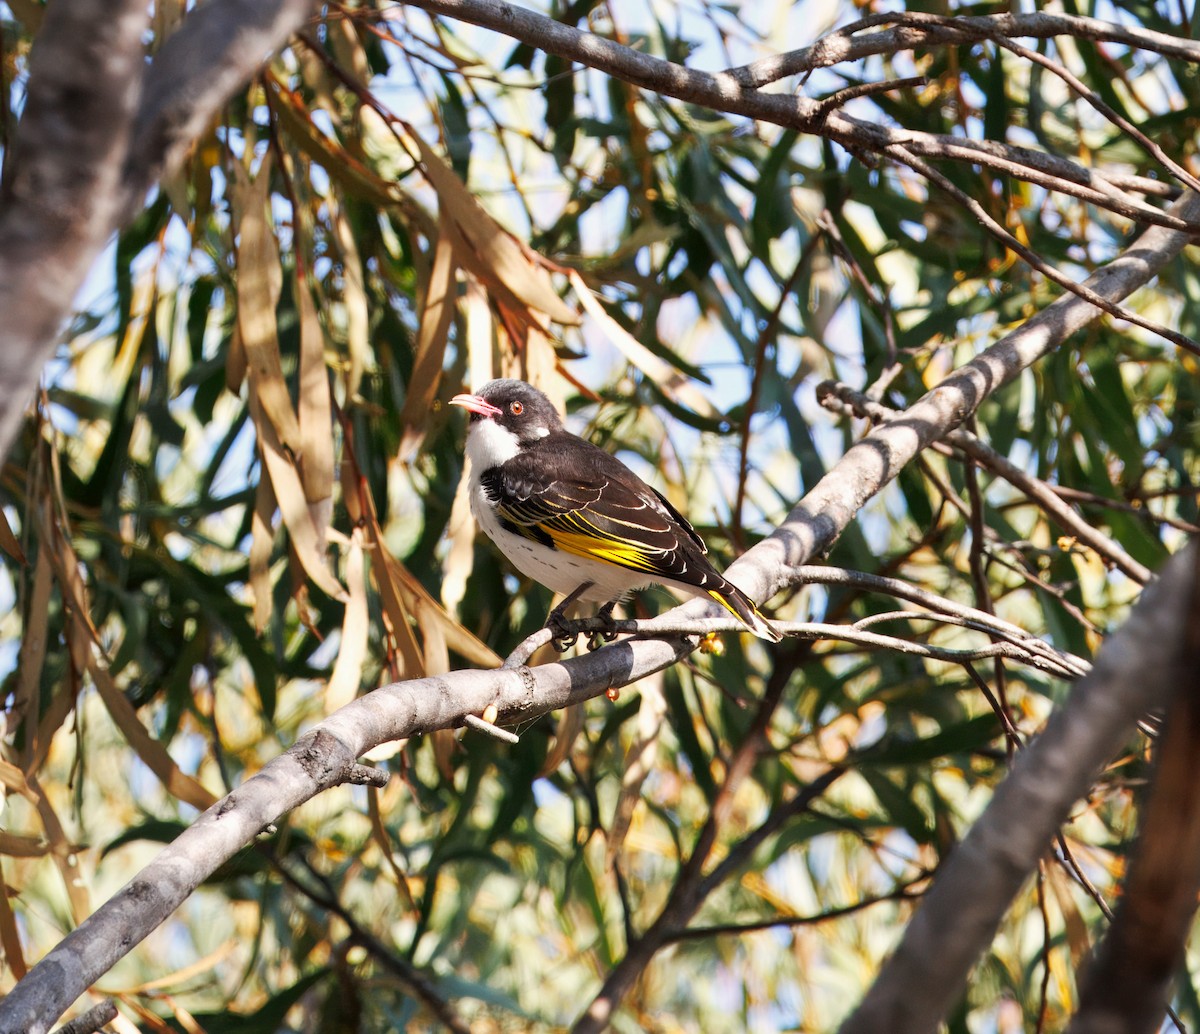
(735, 92)
(219, 46)
(85, 156)
(58, 204)
(322, 759)
(815, 524)
(918, 31)
(1133, 674)
(1127, 988)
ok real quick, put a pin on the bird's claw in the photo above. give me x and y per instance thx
(563, 634)
(603, 635)
(598, 639)
(564, 641)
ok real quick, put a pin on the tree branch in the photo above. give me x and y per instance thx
(1127, 987)
(905, 892)
(916, 30)
(58, 201)
(735, 92)
(97, 131)
(406, 709)
(1111, 551)
(219, 46)
(92, 1020)
(973, 889)
(322, 759)
(817, 521)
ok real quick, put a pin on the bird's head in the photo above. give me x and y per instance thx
(506, 415)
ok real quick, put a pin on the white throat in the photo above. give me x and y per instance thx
(489, 445)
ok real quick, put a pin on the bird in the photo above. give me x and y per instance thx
(575, 518)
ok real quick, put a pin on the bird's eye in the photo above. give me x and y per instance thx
(516, 408)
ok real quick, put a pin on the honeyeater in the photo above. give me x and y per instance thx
(576, 519)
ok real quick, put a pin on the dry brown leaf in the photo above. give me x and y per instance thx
(185, 1019)
(673, 383)
(346, 170)
(445, 746)
(570, 722)
(235, 363)
(12, 778)
(165, 19)
(346, 678)
(432, 336)
(1078, 941)
(361, 508)
(437, 662)
(478, 325)
(152, 753)
(480, 334)
(315, 404)
(289, 493)
(347, 48)
(33, 642)
(434, 621)
(62, 703)
(8, 541)
(37, 747)
(180, 976)
(259, 282)
(262, 539)
(150, 1020)
(354, 297)
(65, 856)
(22, 847)
(500, 255)
(380, 835)
(460, 558)
(85, 648)
(10, 939)
(527, 353)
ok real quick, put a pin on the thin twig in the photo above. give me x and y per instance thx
(733, 93)
(844, 96)
(765, 336)
(830, 394)
(906, 892)
(1027, 649)
(413, 978)
(917, 30)
(92, 1020)
(906, 157)
(490, 729)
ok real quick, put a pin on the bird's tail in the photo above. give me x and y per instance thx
(742, 607)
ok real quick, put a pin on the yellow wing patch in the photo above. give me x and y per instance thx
(591, 543)
(725, 603)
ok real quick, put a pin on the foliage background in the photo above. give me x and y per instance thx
(260, 366)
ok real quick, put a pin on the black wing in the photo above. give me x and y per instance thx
(566, 493)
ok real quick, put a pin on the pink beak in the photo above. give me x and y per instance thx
(475, 404)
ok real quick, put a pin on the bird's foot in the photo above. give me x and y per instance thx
(564, 633)
(603, 635)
